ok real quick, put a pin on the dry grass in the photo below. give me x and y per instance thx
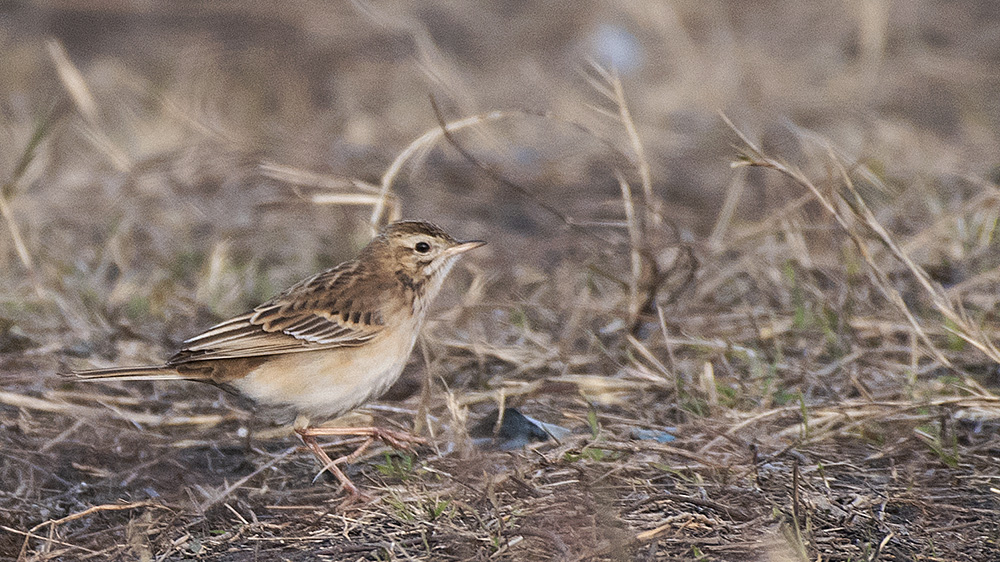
(814, 323)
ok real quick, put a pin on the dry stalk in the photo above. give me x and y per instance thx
(338, 190)
(422, 143)
(964, 327)
(860, 213)
(643, 285)
(75, 85)
(15, 235)
(646, 275)
(8, 190)
(635, 243)
(77, 411)
(616, 94)
(53, 523)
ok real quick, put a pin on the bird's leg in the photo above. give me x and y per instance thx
(309, 439)
(368, 435)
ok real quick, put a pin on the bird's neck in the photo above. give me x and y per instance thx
(422, 289)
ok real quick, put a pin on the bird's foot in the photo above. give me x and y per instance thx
(368, 435)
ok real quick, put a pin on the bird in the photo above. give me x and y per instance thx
(326, 345)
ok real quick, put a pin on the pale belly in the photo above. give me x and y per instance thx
(328, 383)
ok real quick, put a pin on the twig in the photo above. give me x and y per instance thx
(53, 523)
(423, 142)
(445, 129)
(203, 506)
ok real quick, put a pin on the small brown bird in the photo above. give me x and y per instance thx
(327, 344)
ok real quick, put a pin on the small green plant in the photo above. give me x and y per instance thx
(401, 509)
(593, 454)
(496, 541)
(728, 395)
(782, 396)
(396, 465)
(138, 307)
(680, 475)
(940, 449)
(954, 341)
(518, 318)
(186, 264)
(696, 406)
(829, 321)
(437, 508)
(595, 426)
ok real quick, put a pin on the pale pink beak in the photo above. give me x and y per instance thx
(461, 248)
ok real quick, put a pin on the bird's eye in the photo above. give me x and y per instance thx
(422, 247)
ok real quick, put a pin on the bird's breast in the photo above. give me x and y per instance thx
(329, 382)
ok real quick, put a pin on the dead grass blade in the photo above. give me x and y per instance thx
(52, 524)
(616, 93)
(335, 189)
(74, 83)
(421, 143)
(635, 243)
(860, 214)
(9, 189)
(78, 411)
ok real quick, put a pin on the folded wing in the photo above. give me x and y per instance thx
(322, 312)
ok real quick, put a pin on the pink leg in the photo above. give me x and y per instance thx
(329, 464)
(396, 439)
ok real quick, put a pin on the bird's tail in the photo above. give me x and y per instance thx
(146, 373)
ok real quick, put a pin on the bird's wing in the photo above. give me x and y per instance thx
(321, 312)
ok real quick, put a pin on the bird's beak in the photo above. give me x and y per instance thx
(462, 247)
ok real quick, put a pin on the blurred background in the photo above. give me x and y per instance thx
(134, 133)
(164, 165)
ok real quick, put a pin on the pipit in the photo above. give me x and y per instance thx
(327, 344)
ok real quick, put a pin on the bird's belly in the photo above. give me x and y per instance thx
(328, 383)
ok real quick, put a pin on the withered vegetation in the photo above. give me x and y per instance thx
(744, 252)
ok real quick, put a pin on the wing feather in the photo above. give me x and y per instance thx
(321, 312)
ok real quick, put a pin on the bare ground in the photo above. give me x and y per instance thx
(813, 326)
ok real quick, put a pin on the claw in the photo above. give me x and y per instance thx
(395, 439)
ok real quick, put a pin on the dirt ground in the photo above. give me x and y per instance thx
(741, 258)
